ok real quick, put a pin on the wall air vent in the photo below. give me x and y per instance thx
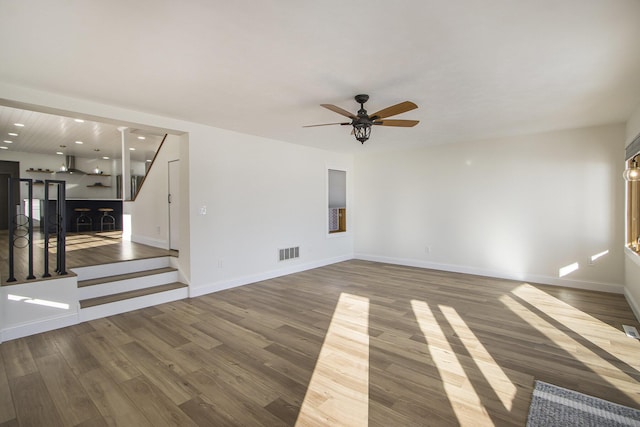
(289, 253)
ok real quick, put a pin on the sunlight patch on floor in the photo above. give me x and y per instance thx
(450, 370)
(338, 393)
(564, 340)
(76, 242)
(493, 373)
(582, 324)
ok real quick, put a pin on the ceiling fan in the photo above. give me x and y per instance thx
(362, 121)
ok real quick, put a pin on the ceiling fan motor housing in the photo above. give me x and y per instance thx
(361, 99)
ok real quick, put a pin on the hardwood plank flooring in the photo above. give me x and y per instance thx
(355, 343)
(83, 249)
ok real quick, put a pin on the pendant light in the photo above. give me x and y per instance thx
(632, 173)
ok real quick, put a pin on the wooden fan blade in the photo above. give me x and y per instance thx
(399, 123)
(403, 107)
(339, 110)
(326, 124)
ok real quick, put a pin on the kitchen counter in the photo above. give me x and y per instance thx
(93, 204)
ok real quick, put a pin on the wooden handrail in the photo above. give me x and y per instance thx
(144, 178)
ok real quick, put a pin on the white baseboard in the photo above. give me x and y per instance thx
(150, 241)
(228, 284)
(635, 307)
(524, 277)
(38, 326)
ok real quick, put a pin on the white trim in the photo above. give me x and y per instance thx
(233, 283)
(38, 326)
(525, 277)
(348, 202)
(635, 307)
(632, 256)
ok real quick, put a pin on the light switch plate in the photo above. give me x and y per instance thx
(631, 331)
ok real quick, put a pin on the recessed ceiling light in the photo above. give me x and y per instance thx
(78, 120)
(79, 142)
(141, 137)
(13, 134)
(96, 149)
(4, 148)
(20, 125)
(8, 142)
(105, 157)
(148, 160)
(63, 146)
(132, 149)
(59, 152)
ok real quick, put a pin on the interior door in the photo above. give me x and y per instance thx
(174, 204)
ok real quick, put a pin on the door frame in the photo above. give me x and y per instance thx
(173, 198)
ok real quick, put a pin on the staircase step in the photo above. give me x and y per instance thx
(122, 267)
(92, 302)
(126, 276)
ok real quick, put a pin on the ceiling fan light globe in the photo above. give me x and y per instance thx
(632, 174)
(362, 132)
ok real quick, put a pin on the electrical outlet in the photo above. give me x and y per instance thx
(203, 210)
(631, 331)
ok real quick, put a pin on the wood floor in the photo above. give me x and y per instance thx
(82, 249)
(355, 343)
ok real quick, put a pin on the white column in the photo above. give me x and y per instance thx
(125, 183)
(126, 164)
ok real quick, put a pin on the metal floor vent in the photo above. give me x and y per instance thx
(289, 253)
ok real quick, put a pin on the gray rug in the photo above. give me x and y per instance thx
(557, 406)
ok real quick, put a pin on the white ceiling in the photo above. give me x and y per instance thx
(476, 69)
(52, 134)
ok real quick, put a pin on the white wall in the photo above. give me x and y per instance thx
(36, 307)
(521, 207)
(261, 195)
(632, 261)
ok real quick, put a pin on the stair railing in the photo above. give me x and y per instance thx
(59, 214)
(21, 227)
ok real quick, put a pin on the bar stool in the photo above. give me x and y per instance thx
(83, 219)
(107, 220)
